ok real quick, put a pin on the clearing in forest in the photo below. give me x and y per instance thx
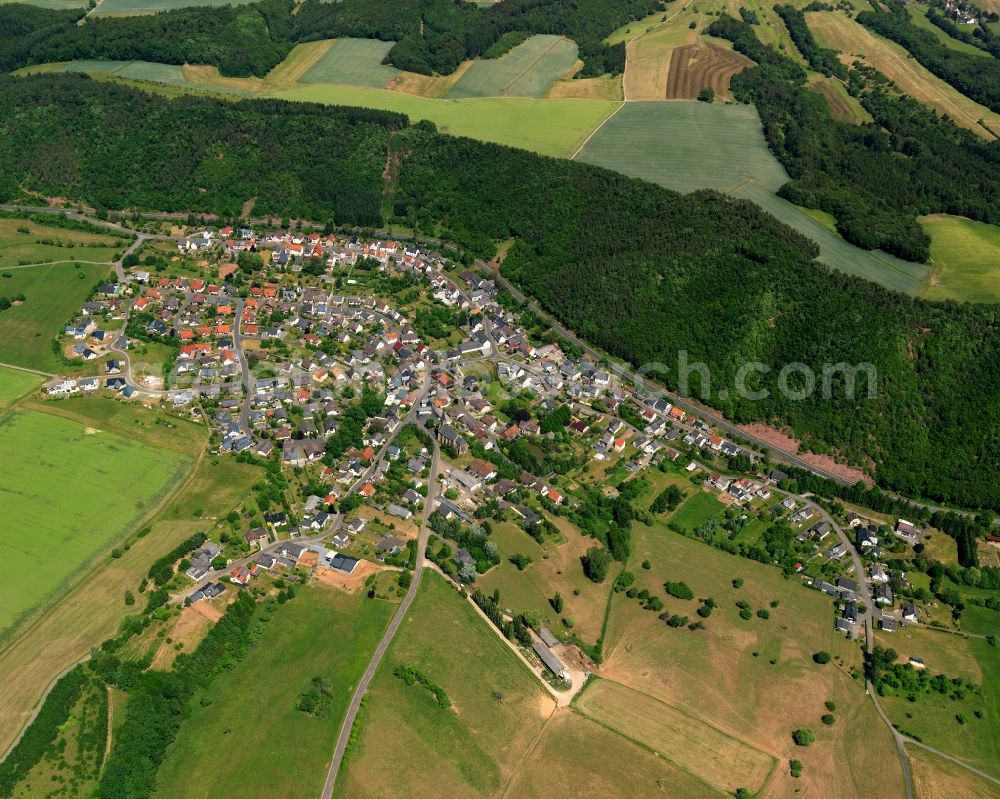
(965, 259)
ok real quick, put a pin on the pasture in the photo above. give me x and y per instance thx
(276, 749)
(355, 62)
(69, 492)
(553, 569)
(763, 681)
(53, 295)
(23, 241)
(15, 384)
(595, 761)
(837, 31)
(936, 778)
(471, 748)
(965, 260)
(128, 7)
(707, 753)
(92, 610)
(528, 70)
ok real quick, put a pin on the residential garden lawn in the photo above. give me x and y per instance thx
(943, 652)
(933, 717)
(14, 384)
(91, 611)
(53, 295)
(549, 127)
(965, 258)
(528, 70)
(687, 145)
(592, 760)
(23, 241)
(839, 32)
(697, 509)
(748, 697)
(275, 749)
(937, 778)
(69, 492)
(701, 750)
(469, 749)
(356, 62)
(553, 569)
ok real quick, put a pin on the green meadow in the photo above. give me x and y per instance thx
(528, 70)
(275, 749)
(965, 260)
(355, 62)
(15, 384)
(68, 493)
(52, 297)
(687, 145)
(127, 7)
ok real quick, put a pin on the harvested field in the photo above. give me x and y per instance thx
(936, 778)
(649, 59)
(853, 41)
(526, 71)
(435, 87)
(694, 67)
(717, 758)
(605, 88)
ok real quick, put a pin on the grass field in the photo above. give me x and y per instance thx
(842, 105)
(53, 4)
(526, 71)
(23, 241)
(549, 127)
(578, 755)
(355, 62)
(36, 652)
(555, 569)
(126, 7)
(276, 749)
(69, 492)
(918, 16)
(836, 30)
(696, 510)
(471, 748)
(14, 385)
(936, 778)
(965, 258)
(716, 758)
(53, 295)
(933, 717)
(763, 681)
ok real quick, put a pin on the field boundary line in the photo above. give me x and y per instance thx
(60, 263)
(595, 130)
(529, 67)
(527, 752)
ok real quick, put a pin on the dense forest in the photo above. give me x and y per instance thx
(874, 179)
(432, 36)
(639, 270)
(974, 76)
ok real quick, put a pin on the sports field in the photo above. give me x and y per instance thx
(469, 749)
(276, 749)
(14, 384)
(53, 295)
(526, 71)
(355, 62)
(763, 681)
(68, 493)
(837, 31)
(125, 7)
(550, 127)
(965, 260)
(702, 750)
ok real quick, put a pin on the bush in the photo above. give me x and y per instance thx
(680, 590)
(707, 95)
(521, 561)
(595, 564)
(827, 719)
(738, 582)
(795, 766)
(821, 657)
(803, 736)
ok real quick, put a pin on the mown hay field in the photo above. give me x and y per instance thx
(837, 31)
(24, 241)
(965, 260)
(14, 384)
(68, 492)
(937, 778)
(528, 70)
(716, 758)
(355, 62)
(471, 748)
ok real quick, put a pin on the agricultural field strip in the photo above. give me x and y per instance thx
(528, 70)
(710, 754)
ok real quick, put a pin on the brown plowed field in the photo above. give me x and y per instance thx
(695, 66)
